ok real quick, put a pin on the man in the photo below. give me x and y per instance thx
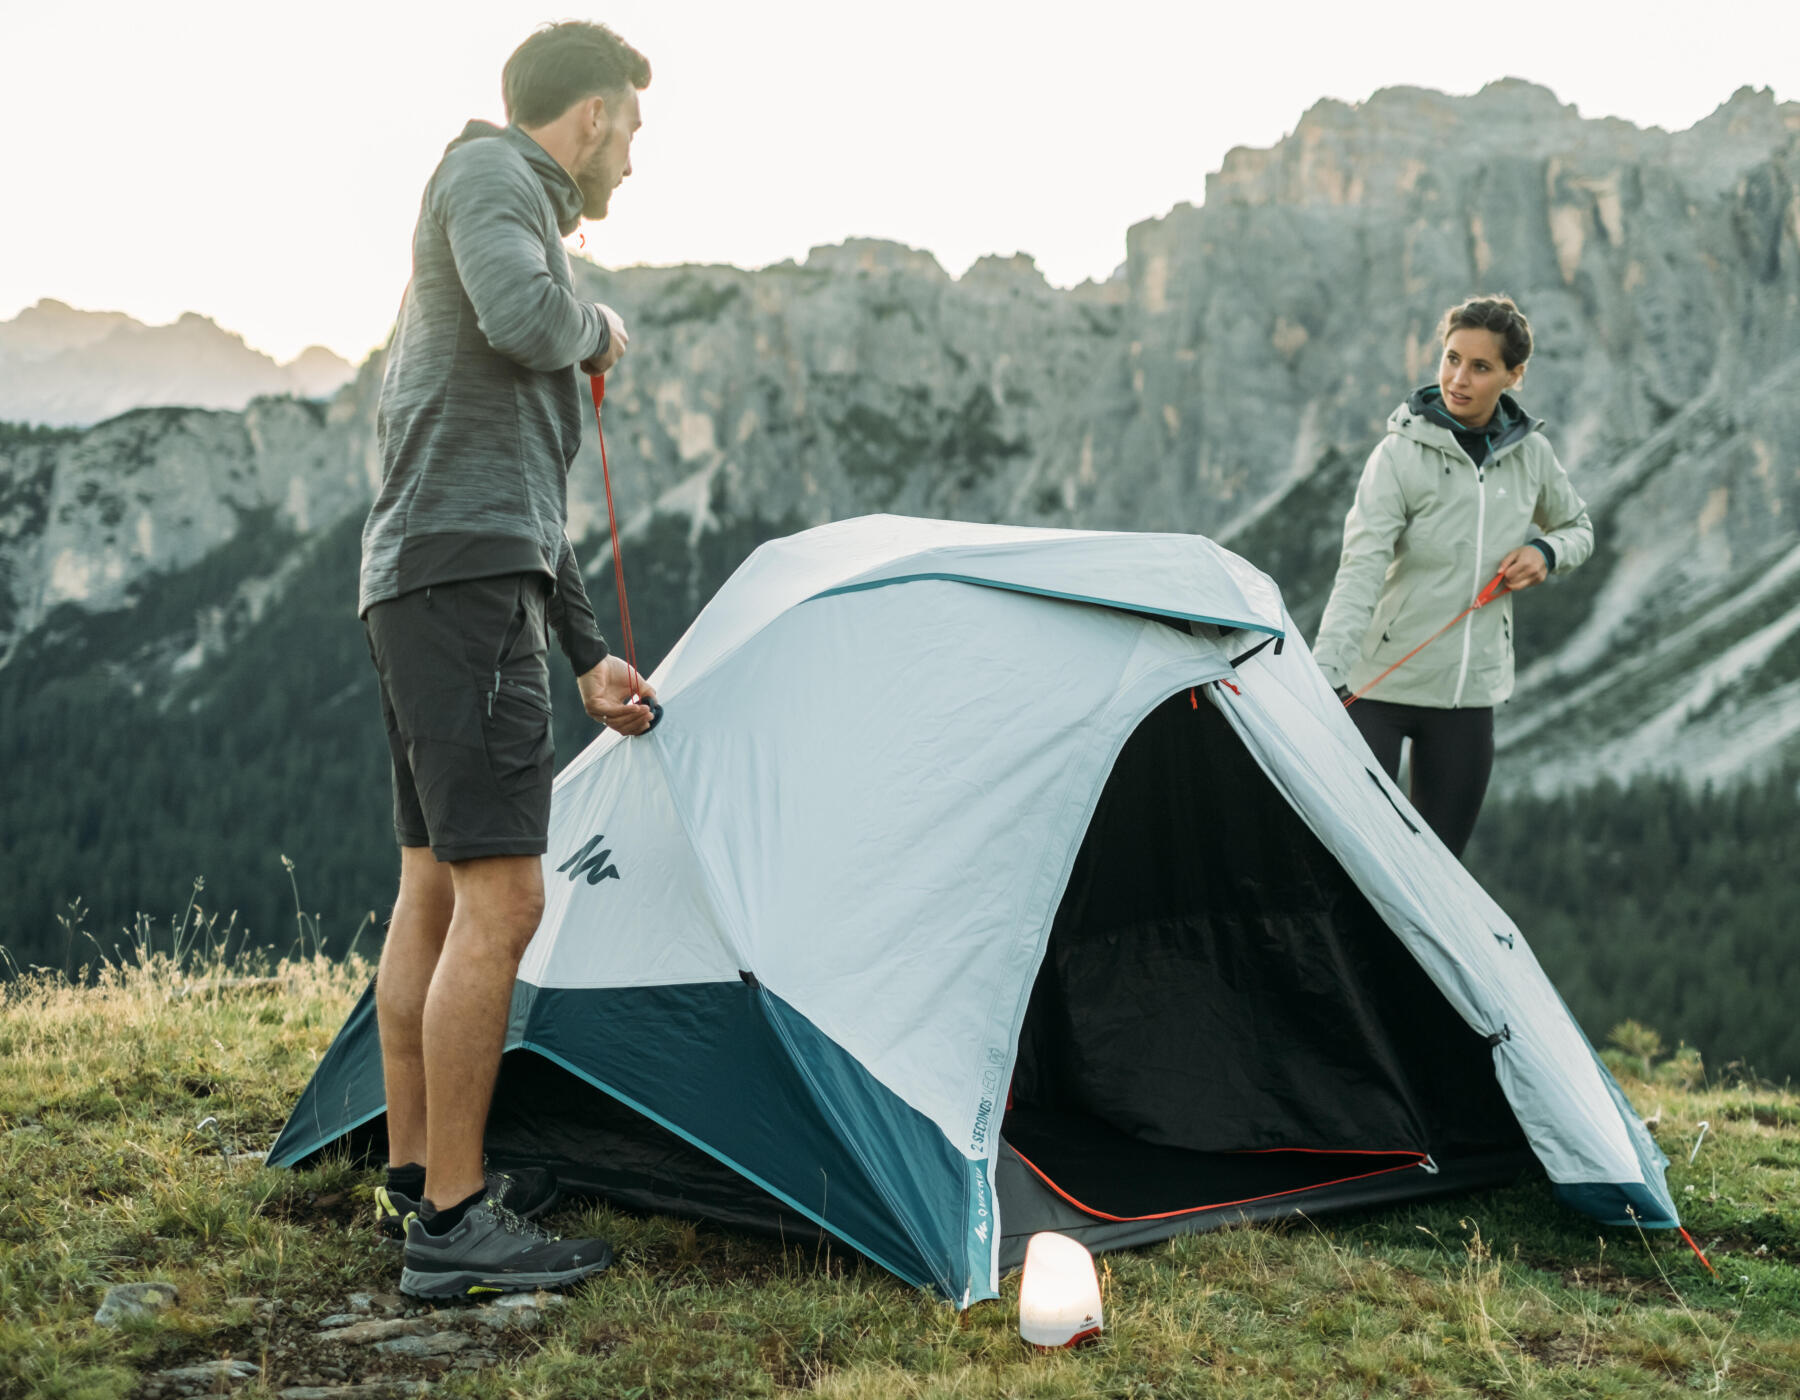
(466, 568)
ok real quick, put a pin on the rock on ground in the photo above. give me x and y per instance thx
(425, 1344)
(208, 1376)
(125, 1300)
(378, 1329)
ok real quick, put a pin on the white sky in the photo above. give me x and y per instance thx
(262, 163)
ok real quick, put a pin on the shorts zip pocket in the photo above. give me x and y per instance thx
(514, 630)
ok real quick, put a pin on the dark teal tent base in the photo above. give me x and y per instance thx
(544, 1116)
(345, 1104)
(726, 1069)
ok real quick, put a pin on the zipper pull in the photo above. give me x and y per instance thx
(492, 693)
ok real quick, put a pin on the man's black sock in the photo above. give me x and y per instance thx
(408, 1180)
(444, 1221)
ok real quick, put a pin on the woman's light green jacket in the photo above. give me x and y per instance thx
(1426, 533)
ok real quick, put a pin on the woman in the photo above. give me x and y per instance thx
(1463, 487)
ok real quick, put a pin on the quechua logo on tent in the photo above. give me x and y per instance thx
(586, 862)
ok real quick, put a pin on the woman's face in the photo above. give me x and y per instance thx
(1473, 374)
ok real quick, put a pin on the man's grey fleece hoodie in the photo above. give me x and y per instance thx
(481, 409)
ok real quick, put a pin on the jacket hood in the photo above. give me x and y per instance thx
(1424, 418)
(565, 195)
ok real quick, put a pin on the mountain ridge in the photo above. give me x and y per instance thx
(1230, 381)
(64, 367)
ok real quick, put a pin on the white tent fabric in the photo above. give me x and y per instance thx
(778, 719)
(872, 778)
(820, 891)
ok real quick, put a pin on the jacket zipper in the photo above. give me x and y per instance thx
(1462, 674)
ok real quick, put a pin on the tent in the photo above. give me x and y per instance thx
(981, 880)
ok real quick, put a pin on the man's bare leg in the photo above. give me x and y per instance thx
(499, 900)
(415, 938)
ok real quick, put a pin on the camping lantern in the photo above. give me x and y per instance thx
(1059, 1295)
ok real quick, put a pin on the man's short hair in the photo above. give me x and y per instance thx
(563, 63)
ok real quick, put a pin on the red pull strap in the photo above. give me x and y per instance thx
(597, 382)
(1496, 586)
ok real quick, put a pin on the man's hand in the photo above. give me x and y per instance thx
(606, 693)
(1524, 567)
(616, 342)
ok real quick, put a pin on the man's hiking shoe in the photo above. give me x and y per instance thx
(491, 1250)
(526, 1191)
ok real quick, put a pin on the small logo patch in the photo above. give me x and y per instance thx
(585, 862)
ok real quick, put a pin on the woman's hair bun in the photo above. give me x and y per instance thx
(1499, 314)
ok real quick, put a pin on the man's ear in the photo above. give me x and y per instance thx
(595, 114)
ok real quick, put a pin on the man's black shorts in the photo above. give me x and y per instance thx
(465, 691)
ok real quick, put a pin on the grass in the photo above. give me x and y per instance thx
(130, 1099)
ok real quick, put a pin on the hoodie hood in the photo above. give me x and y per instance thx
(564, 194)
(1424, 416)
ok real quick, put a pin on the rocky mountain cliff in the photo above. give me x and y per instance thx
(62, 367)
(1230, 380)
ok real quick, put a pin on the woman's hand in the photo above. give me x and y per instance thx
(607, 692)
(1524, 568)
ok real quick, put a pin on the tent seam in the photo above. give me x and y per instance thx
(1116, 604)
(860, 582)
(735, 938)
(1067, 535)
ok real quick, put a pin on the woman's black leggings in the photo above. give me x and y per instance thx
(1452, 756)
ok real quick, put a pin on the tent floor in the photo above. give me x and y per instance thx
(1111, 1175)
(1028, 1204)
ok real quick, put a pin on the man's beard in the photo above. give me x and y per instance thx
(595, 192)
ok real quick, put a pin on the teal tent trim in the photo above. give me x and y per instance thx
(1230, 623)
(1622, 1203)
(350, 1080)
(1647, 1203)
(931, 1204)
(345, 1092)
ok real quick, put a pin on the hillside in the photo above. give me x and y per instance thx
(135, 1110)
